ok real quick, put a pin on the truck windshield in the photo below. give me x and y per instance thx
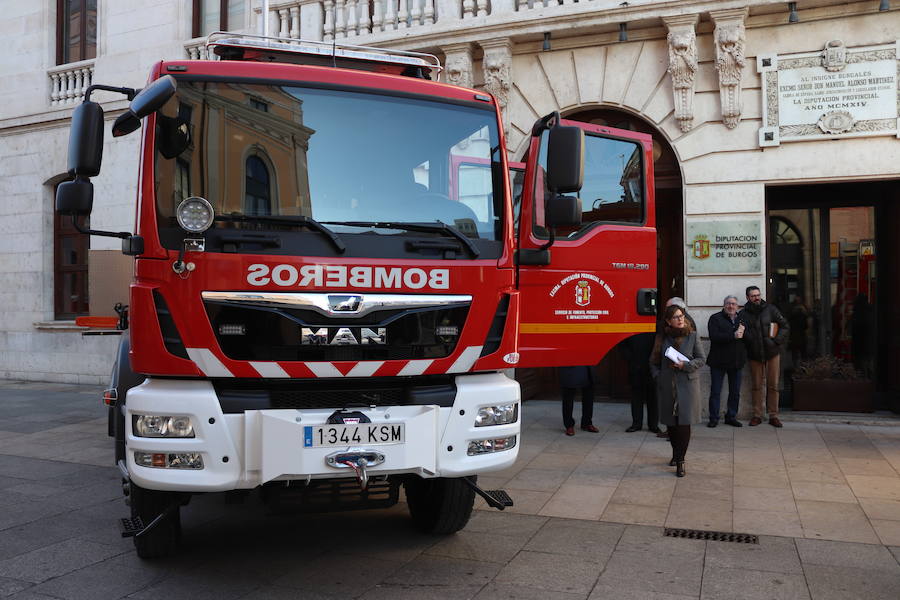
(334, 156)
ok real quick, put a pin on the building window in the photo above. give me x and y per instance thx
(70, 269)
(259, 105)
(258, 190)
(217, 15)
(76, 30)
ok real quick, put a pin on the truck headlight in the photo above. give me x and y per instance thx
(162, 426)
(194, 214)
(492, 445)
(502, 414)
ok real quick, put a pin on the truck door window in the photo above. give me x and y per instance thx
(613, 190)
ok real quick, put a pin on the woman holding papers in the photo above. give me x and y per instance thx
(677, 356)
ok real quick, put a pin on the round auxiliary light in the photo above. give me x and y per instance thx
(194, 214)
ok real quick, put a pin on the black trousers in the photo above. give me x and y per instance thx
(587, 406)
(680, 438)
(643, 393)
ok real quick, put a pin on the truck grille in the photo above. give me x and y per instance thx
(284, 335)
(237, 396)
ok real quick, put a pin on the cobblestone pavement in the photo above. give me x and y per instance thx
(588, 520)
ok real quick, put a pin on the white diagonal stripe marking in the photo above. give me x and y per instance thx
(207, 362)
(465, 360)
(269, 369)
(324, 369)
(415, 367)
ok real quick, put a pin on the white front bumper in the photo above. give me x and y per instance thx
(248, 449)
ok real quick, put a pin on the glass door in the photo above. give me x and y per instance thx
(824, 281)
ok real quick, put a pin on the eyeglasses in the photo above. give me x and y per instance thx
(676, 317)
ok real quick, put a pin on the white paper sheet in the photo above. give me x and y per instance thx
(676, 356)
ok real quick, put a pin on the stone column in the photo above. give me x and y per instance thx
(730, 61)
(497, 65)
(458, 65)
(683, 65)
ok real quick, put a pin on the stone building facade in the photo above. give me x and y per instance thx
(758, 182)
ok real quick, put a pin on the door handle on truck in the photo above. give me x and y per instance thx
(646, 301)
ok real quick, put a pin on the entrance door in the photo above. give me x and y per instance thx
(824, 279)
(581, 304)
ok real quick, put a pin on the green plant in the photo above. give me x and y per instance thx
(826, 367)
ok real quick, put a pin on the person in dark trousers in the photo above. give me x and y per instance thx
(765, 334)
(673, 301)
(637, 351)
(678, 381)
(727, 356)
(572, 379)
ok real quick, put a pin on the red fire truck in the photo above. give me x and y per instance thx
(332, 279)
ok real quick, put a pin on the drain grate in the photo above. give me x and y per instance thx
(716, 536)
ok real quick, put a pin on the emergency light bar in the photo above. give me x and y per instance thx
(240, 46)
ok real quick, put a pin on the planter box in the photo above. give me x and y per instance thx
(834, 395)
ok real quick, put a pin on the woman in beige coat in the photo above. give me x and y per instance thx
(678, 383)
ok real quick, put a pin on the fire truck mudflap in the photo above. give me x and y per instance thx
(246, 450)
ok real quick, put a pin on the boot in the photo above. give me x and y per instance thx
(679, 468)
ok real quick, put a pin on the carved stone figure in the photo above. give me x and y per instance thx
(459, 69)
(682, 68)
(496, 77)
(730, 62)
(496, 65)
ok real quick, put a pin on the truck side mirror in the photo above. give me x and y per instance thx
(75, 198)
(86, 140)
(564, 211)
(147, 102)
(565, 159)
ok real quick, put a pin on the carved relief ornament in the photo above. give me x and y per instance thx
(683, 66)
(730, 36)
(458, 65)
(497, 70)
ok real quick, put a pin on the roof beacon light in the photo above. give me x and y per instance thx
(194, 214)
(241, 46)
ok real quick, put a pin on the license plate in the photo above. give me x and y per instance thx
(368, 434)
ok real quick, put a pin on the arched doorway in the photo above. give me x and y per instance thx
(612, 379)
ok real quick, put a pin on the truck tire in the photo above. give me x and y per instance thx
(163, 539)
(441, 505)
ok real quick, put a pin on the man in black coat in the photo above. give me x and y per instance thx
(765, 334)
(727, 356)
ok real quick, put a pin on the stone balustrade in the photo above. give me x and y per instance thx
(196, 49)
(69, 82)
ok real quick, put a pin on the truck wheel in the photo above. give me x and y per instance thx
(163, 539)
(441, 505)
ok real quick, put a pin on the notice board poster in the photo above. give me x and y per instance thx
(724, 247)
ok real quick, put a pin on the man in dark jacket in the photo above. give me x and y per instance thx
(766, 331)
(727, 356)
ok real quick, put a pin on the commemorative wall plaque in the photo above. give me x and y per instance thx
(835, 93)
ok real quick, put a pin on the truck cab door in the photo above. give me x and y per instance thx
(596, 284)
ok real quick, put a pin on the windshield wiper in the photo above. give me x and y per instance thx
(437, 227)
(288, 220)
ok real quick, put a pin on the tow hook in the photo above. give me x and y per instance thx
(359, 461)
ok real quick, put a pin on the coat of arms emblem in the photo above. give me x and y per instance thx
(700, 247)
(582, 293)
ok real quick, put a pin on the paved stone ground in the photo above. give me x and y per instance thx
(587, 522)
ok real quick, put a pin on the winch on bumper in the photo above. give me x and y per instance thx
(245, 450)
